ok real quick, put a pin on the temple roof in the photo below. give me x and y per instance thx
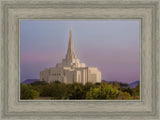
(70, 52)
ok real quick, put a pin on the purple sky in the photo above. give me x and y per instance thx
(111, 46)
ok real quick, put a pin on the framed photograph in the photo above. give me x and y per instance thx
(116, 77)
(80, 59)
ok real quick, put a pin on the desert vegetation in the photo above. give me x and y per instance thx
(101, 91)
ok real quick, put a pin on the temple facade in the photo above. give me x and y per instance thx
(71, 70)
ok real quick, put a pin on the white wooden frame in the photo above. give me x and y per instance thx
(144, 10)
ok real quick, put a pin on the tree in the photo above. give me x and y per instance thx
(77, 91)
(45, 90)
(31, 94)
(128, 90)
(57, 81)
(58, 91)
(23, 89)
(27, 92)
(104, 91)
(124, 96)
(136, 91)
(125, 85)
(87, 87)
(39, 83)
(116, 85)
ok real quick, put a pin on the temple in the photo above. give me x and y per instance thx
(71, 70)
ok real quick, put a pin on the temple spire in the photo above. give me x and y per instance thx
(70, 52)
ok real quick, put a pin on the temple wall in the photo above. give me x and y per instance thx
(80, 75)
(94, 75)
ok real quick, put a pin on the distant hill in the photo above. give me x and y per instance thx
(110, 81)
(29, 81)
(130, 85)
(113, 82)
(133, 84)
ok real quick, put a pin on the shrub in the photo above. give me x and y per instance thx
(104, 91)
(31, 94)
(27, 92)
(124, 96)
(39, 83)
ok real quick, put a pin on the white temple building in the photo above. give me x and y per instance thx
(71, 70)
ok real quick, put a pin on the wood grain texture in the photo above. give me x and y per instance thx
(146, 11)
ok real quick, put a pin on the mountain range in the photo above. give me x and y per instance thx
(130, 85)
(29, 81)
(133, 84)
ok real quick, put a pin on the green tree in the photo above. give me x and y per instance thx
(128, 90)
(58, 90)
(124, 85)
(104, 91)
(39, 83)
(87, 88)
(124, 96)
(27, 92)
(23, 89)
(77, 91)
(63, 90)
(116, 85)
(45, 90)
(31, 94)
(136, 91)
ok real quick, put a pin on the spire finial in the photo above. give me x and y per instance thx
(70, 28)
(70, 52)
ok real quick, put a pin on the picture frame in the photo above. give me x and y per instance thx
(147, 12)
